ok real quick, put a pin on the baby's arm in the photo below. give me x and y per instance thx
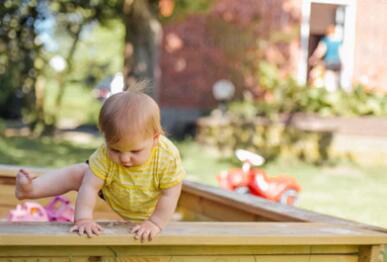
(165, 207)
(85, 204)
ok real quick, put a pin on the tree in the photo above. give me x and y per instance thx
(20, 60)
(142, 19)
(72, 17)
(24, 60)
(142, 41)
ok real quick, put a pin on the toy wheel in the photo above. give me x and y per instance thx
(289, 197)
(242, 190)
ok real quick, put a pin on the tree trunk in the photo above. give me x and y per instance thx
(63, 75)
(142, 43)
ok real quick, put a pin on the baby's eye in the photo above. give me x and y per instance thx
(115, 151)
(137, 151)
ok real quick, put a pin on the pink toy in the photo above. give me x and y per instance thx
(60, 210)
(28, 211)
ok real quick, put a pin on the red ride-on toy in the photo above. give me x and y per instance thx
(282, 189)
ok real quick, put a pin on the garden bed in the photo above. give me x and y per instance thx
(311, 138)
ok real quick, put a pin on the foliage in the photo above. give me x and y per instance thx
(72, 20)
(23, 64)
(271, 138)
(2, 126)
(264, 123)
(183, 8)
(99, 54)
(73, 29)
(358, 102)
(20, 51)
(278, 95)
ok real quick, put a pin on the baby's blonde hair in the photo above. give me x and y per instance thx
(130, 112)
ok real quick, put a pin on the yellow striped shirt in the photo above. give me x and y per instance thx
(133, 192)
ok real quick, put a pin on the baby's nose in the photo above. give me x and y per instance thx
(125, 158)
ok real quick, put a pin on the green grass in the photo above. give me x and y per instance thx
(346, 190)
(43, 152)
(78, 104)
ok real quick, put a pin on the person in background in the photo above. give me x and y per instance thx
(328, 50)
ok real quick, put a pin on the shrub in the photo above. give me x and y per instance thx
(264, 123)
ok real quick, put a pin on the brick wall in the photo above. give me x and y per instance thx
(192, 59)
(371, 44)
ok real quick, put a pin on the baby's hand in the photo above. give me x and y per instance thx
(147, 230)
(86, 226)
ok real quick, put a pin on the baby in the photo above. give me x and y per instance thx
(137, 170)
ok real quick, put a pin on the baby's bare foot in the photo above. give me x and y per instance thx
(23, 184)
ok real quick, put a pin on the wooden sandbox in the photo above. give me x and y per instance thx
(213, 225)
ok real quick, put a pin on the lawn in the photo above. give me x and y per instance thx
(345, 190)
(76, 99)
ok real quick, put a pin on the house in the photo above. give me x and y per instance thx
(222, 44)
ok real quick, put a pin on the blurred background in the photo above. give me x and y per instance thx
(301, 82)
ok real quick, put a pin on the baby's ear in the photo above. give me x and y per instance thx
(156, 138)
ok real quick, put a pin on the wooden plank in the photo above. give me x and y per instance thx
(189, 206)
(187, 233)
(264, 208)
(52, 251)
(239, 258)
(330, 258)
(371, 253)
(235, 201)
(221, 258)
(334, 249)
(212, 210)
(122, 251)
(211, 250)
(135, 259)
(306, 258)
(190, 257)
(282, 258)
(45, 259)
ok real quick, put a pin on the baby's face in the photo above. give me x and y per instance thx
(128, 152)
